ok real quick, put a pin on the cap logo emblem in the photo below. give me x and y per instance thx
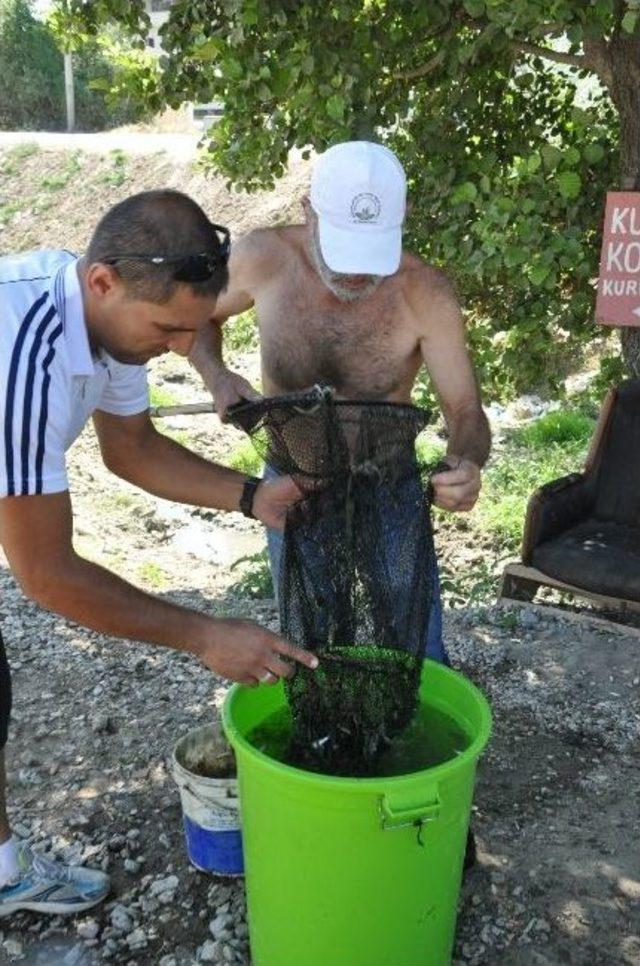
(365, 208)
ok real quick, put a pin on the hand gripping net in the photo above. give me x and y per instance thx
(357, 569)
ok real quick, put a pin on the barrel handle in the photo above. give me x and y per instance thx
(393, 818)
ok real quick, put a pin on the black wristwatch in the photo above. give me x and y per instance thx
(251, 484)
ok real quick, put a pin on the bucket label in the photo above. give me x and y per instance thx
(210, 815)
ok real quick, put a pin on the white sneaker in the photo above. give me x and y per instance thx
(51, 887)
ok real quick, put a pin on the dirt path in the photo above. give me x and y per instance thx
(180, 147)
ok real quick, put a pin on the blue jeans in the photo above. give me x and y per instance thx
(396, 519)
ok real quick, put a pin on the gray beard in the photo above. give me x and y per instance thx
(335, 280)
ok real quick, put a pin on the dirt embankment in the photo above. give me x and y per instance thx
(52, 197)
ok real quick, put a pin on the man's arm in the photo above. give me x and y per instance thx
(225, 386)
(36, 533)
(445, 353)
(134, 450)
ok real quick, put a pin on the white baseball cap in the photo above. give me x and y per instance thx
(358, 192)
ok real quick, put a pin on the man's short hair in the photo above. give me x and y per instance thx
(162, 223)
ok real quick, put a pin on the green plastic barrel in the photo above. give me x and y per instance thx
(355, 872)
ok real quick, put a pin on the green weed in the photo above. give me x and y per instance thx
(255, 579)
(429, 451)
(15, 156)
(241, 333)
(8, 210)
(117, 174)
(246, 459)
(152, 575)
(551, 447)
(159, 396)
(55, 182)
(560, 426)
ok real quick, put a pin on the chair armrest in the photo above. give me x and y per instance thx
(556, 507)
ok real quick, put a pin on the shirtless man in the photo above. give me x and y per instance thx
(339, 302)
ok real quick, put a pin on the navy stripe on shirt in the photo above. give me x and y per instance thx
(28, 397)
(44, 404)
(11, 388)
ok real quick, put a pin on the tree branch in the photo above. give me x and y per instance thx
(424, 69)
(571, 60)
(546, 29)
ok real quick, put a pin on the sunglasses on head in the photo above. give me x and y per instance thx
(197, 267)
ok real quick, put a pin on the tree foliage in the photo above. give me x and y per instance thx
(508, 154)
(31, 68)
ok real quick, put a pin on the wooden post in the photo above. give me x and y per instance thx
(69, 91)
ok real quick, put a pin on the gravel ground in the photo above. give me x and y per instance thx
(556, 808)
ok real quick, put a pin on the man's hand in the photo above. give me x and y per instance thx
(230, 388)
(457, 489)
(244, 651)
(272, 500)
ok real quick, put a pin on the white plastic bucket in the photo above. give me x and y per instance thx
(210, 807)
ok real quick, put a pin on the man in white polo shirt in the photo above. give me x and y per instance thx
(74, 338)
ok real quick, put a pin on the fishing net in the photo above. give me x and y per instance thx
(356, 576)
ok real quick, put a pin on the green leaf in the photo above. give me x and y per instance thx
(100, 84)
(475, 8)
(551, 156)
(538, 273)
(464, 193)
(569, 184)
(630, 20)
(593, 153)
(233, 68)
(514, 256)
(209, 50)
(571, 156)
(336, 106)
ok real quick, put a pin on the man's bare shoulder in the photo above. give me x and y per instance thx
(430, 295)
(266, 246)
(420, 279)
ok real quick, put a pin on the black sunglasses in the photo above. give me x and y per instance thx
(198, 267)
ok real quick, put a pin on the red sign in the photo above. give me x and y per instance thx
(618, 301)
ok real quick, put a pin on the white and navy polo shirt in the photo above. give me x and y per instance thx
(50, 382)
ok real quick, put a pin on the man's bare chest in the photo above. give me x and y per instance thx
(360, 350)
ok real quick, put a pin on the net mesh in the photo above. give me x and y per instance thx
(356, 572)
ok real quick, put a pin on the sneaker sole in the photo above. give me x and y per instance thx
(50, 908)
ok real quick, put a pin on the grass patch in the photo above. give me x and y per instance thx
(513, 475)
(241, 333)
(15, 156)
(8, 210)
(246, 459)
(429, 451)
(560, 426)
(56, 182)
(255, 579)
(117, 173)
(153, 575)
(551, 447)
(159, 396)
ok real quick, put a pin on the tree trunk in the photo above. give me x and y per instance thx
(69, 92)
(625, 90)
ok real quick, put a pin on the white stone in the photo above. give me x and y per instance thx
(209, 952)
(88, 930)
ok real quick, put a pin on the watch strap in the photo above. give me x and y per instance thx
(251, 484)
